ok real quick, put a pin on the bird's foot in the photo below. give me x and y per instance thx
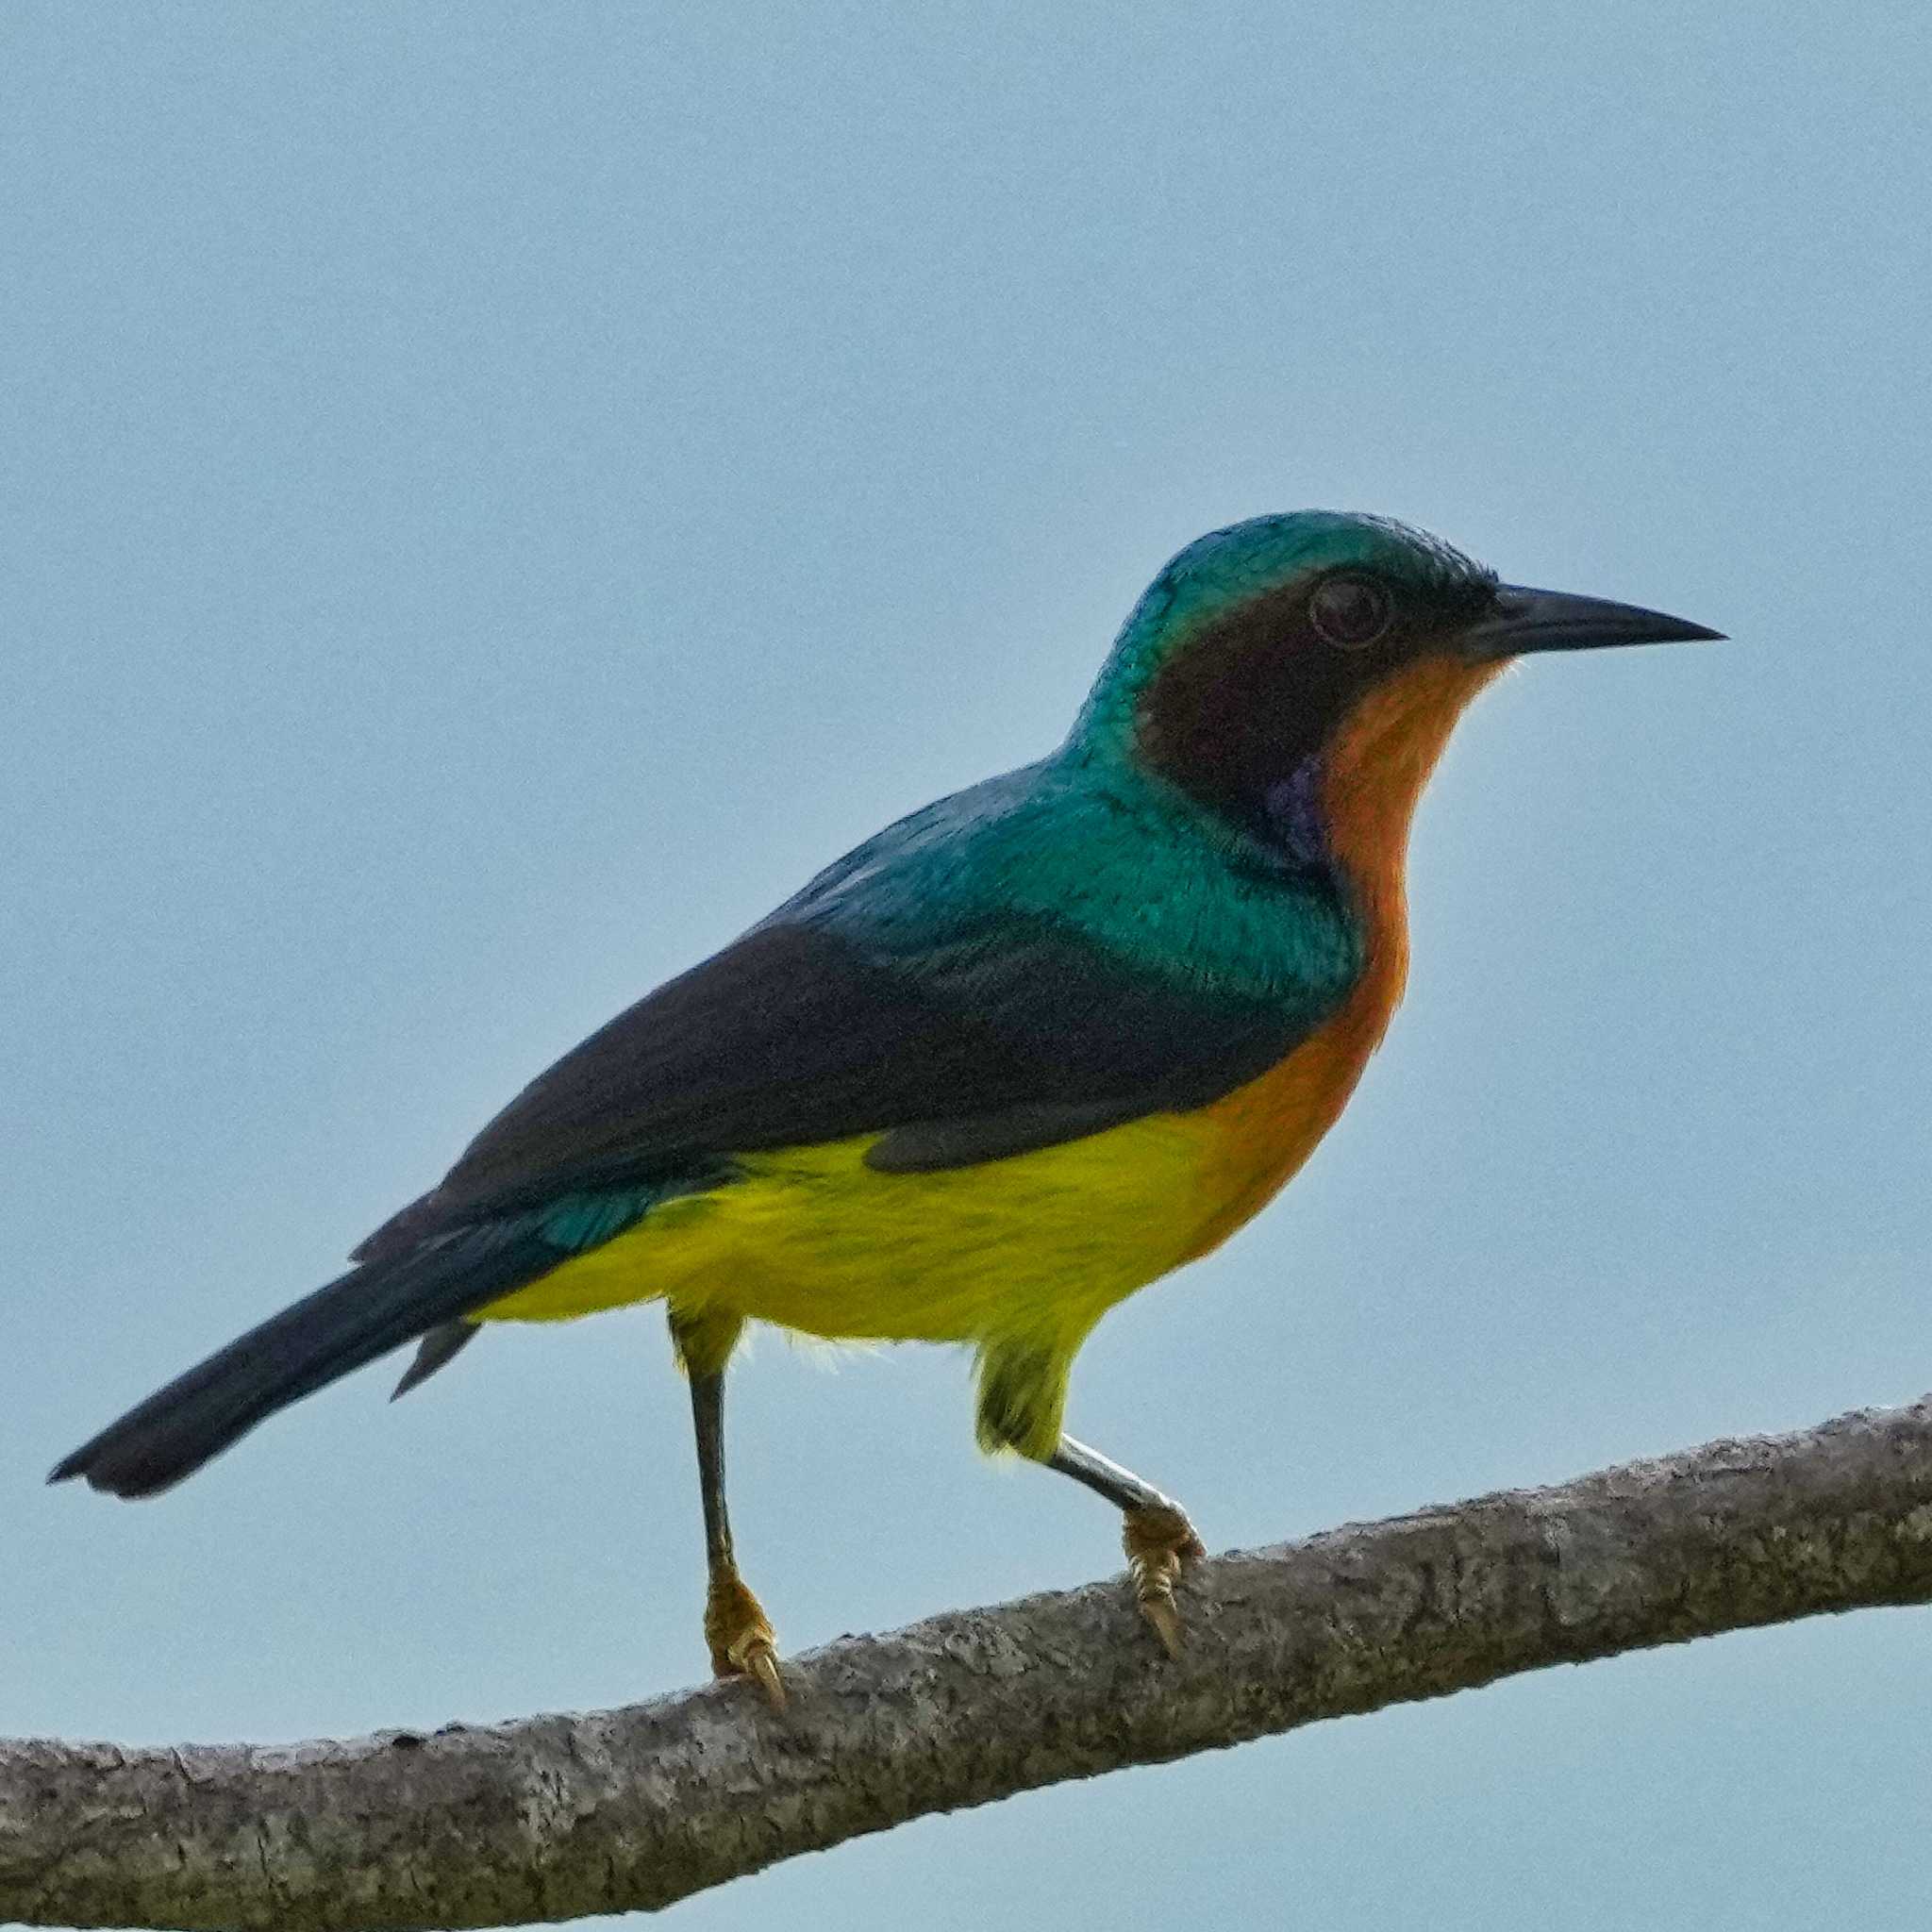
(742, 1641)
(1159, 1543)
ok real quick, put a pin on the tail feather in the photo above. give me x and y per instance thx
(349, 1321)
(437, 1350)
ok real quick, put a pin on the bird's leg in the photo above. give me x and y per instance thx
(741, 1641)
(1155, 1531)
(1023, 1395)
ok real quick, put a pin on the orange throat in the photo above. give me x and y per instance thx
(1374, 775)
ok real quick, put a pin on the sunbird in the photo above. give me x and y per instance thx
(1013, 1058)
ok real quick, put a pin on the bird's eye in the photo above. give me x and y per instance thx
(1350, 611)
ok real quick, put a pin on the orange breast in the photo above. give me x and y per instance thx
(1372, 776)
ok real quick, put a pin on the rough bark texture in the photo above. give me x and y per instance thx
(555, 1817)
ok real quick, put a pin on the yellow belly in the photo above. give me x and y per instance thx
(813, 1240)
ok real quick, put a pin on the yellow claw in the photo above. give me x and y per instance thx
(743, 1643)
(1166, 1620)
(1159, 1541)
(755, 1655)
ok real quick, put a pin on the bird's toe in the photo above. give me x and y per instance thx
(740, 1638)
(1160, 1542)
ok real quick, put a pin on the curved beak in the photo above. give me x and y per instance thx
(1527, 619)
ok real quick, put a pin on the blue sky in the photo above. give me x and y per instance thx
(496, 496)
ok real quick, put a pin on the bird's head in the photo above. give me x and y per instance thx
(1298, 675)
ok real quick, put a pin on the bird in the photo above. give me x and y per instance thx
(1015, 1057)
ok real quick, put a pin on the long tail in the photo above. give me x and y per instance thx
(355, 1317)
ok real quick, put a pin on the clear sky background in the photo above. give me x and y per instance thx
(495, 495)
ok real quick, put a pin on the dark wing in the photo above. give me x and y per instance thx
(794, 1034)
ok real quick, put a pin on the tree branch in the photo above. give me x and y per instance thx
(557, 1817)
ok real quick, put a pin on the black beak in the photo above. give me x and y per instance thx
(1526, 620)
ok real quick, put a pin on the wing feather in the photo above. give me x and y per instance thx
(963, 986)
(793, 1036)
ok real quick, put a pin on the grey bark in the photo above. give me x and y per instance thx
(555, 1817)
